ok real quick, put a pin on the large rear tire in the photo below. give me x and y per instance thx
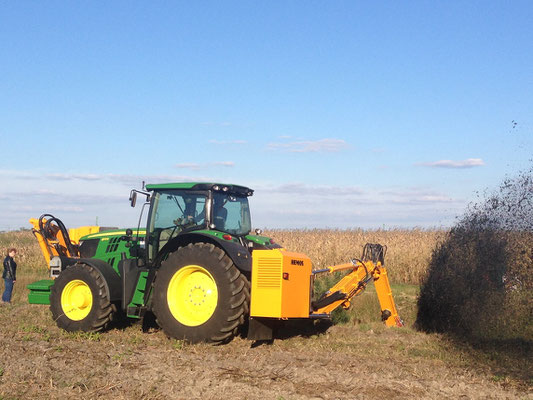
(200, 296)
(79, 300)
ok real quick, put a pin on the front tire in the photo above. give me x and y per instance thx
(200, 295)
(79, 300)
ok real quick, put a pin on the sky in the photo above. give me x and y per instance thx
(339, 114)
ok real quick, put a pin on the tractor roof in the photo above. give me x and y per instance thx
(223, 187)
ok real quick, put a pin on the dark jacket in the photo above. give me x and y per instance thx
(10, 269)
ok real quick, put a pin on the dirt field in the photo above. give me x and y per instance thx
(360, 360)
(366, 360)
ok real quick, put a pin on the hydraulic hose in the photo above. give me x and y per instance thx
(47, 232)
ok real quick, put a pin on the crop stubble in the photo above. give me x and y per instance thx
(358, 360)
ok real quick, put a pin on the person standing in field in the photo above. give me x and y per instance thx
(9, 275)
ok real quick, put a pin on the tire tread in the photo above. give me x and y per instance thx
(229, 316)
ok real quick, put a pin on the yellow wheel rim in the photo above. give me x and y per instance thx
(76, 300)
(192, 295)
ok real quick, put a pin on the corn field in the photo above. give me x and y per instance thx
(408, 250)
(29, 254)
(407, 258)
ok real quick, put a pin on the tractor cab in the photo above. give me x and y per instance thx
(202, 208)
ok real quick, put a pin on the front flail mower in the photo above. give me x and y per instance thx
(196, 267)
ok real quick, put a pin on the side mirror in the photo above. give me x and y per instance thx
(133, 198)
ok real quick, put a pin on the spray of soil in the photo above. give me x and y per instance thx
(480, 280)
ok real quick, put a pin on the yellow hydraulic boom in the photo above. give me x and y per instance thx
(354, 283)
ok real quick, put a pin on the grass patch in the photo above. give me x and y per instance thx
(32, 329)
(82, 336)
(178, 344)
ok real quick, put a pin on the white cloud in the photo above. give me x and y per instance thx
(199, 166)
(75, 200)
(328, 145)
(68, 177)
(51, 209)
(415, 196)
(299, 205)
(194, 166)
(104, 197)
(112, 178)
(468, 163)
(300, 189)
(224, 163)
(227, 142)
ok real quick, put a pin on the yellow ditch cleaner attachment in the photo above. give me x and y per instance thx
(282, 282)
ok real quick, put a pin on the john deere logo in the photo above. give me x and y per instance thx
(297, 262)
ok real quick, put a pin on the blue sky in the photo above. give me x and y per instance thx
(338, 114)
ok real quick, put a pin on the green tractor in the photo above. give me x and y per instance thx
(192, 267)
(196, 242)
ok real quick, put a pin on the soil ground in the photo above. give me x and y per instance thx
(354, 361)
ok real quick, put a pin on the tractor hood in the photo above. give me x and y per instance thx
(113, 233)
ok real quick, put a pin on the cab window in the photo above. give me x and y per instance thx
(172, 212)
